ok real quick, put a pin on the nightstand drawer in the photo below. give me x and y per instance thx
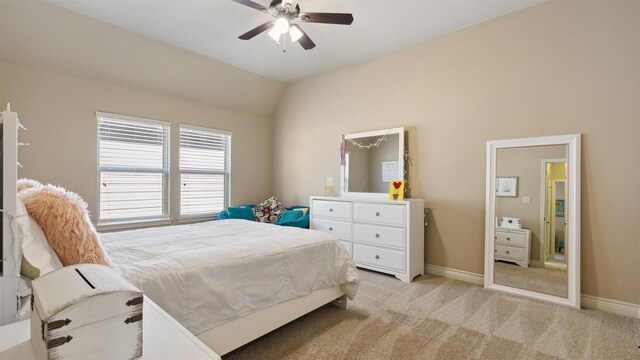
(379, 213)
(375, 256)
(339, 229)
(331, 209)
(510, 238)
(516, 253)
(379, 235)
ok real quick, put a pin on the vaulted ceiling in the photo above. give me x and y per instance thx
(191, 50)
(211, 29)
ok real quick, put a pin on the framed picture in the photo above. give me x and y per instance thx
(507, 186)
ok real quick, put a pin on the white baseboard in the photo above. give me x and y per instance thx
(535, 263)
(586, 301)
(461, 275)
(610, 305)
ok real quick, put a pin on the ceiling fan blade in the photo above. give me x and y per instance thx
(257, 30)
(252, 4)
(305, 40)
(326, 18)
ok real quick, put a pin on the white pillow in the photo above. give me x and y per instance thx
(35, 249)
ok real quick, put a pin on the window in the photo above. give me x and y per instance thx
(133, 165)
(204, 170)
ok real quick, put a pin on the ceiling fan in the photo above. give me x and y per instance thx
(285, 12)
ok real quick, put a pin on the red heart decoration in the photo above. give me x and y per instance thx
(397, 184)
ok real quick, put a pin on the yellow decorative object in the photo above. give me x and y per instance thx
(329, 190)
(396, 190)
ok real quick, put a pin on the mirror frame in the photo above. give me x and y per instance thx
(573, 216)
(384, 195)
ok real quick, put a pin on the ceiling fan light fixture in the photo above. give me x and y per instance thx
(281, 25)
(275, 34)
(285, 12)
(295, 33)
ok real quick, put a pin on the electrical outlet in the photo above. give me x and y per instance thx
(526, 199)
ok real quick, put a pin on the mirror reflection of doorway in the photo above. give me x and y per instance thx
(555, 226)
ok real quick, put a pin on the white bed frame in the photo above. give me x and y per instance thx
(232, 335)
(222, 339)
(11, 268)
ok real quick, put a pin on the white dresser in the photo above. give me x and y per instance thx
(381, 235)
(513, 245)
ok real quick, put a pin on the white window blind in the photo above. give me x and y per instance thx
(204, 170)
(133, 160)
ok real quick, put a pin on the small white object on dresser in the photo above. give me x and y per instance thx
(513, 245)
(86, 311)
(381, 235)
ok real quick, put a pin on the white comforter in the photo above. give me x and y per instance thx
(209, 273)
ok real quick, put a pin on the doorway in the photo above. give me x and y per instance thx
(554, 227)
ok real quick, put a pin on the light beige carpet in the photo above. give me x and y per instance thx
(438, 318)
(548, 281)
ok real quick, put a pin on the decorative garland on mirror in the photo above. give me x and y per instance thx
(375, 144)
(408, 161)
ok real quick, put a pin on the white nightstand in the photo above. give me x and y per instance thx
(164, 338)
(513, 245)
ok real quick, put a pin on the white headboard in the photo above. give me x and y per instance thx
(10, 247)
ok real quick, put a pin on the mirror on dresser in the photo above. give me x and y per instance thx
(533, 218)
(371, 161)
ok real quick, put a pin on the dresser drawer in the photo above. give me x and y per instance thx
(511, 252)
(348, 246)
(379, 213)
(339, 229)
(331, 209)
(510, 238)
(386, 258)
(379, 235)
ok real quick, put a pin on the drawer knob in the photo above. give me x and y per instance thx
(331, 229)
(377, 257)
(377, 213)
(508, 239)
(377, 235)
(330, 210)
(507, 252)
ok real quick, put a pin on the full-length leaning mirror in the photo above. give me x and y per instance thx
(372, 160)
(533, 218)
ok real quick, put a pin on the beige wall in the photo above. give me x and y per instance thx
(58, 67)
(556, 68)
(526, 164)
(45, 36)
(59, 112)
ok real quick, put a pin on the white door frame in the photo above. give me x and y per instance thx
(572, 203)
(554, 191)
(543, 197)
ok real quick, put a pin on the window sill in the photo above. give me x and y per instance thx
(197, 218)
(131, 224)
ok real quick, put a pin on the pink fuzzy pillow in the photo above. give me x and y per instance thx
(26, 184)
(64, 218)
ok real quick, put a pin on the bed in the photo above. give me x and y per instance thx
(232, 281)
